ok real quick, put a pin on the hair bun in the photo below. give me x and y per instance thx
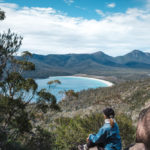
(109, 112)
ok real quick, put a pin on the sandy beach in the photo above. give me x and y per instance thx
(98, 78)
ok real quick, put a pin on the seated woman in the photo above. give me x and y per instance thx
(108, 137)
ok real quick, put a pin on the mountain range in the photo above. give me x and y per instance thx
(97, 63)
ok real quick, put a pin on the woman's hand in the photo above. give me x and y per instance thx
(88, 138)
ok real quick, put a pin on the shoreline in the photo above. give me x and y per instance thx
(98, 78)
(102, 79)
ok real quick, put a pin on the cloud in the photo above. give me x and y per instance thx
(69, 2)
(47, 31)
(100, 12)
(111, 5)
(9, 5)
(82, 8)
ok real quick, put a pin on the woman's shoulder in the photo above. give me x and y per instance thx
(107, 126)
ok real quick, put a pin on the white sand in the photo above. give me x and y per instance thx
(109, 84)
(104, 81)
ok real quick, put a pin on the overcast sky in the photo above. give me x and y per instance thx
(115, 27)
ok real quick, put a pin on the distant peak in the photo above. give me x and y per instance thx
(99, 52)
(137, 51)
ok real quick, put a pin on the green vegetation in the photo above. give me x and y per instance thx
(125, 97)
(2, 15)
(16, 93)
(41, 140)
(70, 132)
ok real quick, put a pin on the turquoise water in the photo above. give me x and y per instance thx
(67, 83)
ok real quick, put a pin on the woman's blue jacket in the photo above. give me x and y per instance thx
(108, 136)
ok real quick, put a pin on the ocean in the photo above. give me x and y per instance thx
(69, 83)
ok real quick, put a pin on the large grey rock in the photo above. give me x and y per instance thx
(143, 128)
(94, 148)
(143, 131)
(138, 146)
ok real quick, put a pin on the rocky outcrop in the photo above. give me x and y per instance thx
(138, 146)
(94, 148)
(143, 128)
(143, 131)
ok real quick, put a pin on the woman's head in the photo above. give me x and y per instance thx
(109, 113)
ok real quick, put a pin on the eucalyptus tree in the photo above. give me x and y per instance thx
(16, 91)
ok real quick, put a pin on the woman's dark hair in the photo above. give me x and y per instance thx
(110, 114)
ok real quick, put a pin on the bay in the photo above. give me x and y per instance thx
(70, 83)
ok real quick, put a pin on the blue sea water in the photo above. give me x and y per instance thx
(68, 83)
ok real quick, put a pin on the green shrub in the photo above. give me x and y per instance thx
(41, 140)
(70, 132)
(127, 130)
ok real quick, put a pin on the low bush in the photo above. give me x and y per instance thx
(70, 132)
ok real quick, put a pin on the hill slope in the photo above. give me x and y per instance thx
(129, 97)
(97, 63)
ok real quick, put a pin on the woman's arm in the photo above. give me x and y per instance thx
(100, 136)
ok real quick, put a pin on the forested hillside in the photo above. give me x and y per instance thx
(134, 65)
(126, 97)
